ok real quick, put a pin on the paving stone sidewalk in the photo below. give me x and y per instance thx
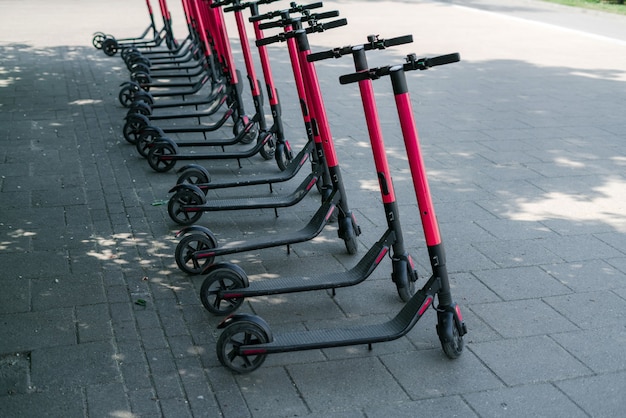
(523, 142)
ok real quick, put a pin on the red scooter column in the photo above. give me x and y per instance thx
(450, 326)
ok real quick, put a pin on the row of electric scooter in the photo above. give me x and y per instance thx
(169, 77)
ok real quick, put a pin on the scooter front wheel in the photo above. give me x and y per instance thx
(186, 253)
(283, 155)
(268, 150)
(222, 278)
(232, 338)
(450, 334)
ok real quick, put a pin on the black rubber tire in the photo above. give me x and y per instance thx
(453, 349)
(235, 335)
(158, 150)
(193, 176)
(126, 96)
(181, 198)
(283, 155)
(268, 151)
(187, 247)
(222, 278)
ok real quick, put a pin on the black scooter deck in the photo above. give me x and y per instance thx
(312, 229)
(263, 202)
(290, 172)
(361, 271)
(365, 334)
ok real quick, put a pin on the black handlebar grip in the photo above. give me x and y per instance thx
(400, 40)
(334, 24)
(221, 3)
(325, 15)
(306, 7)
(443, 59)
(269, 40)
(272, 24)
(322, 55)
(354, 77)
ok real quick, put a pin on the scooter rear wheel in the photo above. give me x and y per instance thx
(176, 210)
(148, 136)
(237, 335)
(193, 176)
(158, 156)
(186, 249)
(222, 278)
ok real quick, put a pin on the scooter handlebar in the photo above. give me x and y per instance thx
(375, 43)
(285, 22)
(412, 64)
(293, 9)
(237, 6)
(320, 27)
(443, 60)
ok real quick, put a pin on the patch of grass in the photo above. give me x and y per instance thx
(605, 6)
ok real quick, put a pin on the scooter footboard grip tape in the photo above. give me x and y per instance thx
(443, 59)
(400, 40)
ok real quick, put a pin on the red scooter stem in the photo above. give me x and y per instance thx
(314, 94)
(247, 55)
(376, 140)
(416, 162)
(265, 65)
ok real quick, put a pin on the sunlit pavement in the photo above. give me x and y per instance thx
(523, 143)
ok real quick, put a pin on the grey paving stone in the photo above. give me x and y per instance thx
(64, 291)
(348, 382)
(581, 248)
(448, 406)
(106, 400)
(518, 253)
(599, 396)
(554, 363)
(601, 350)
(271, 393)
(587, 276)
(521, 283)
(430, 374)
(591, 310)
(33, 330)
(75, 365)
(523, 401)
(44, 404)
(15, 374)
(523, 318)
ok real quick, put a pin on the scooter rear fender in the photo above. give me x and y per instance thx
(244, 317)
(195, 228)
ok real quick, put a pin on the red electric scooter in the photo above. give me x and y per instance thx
(246, 339)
